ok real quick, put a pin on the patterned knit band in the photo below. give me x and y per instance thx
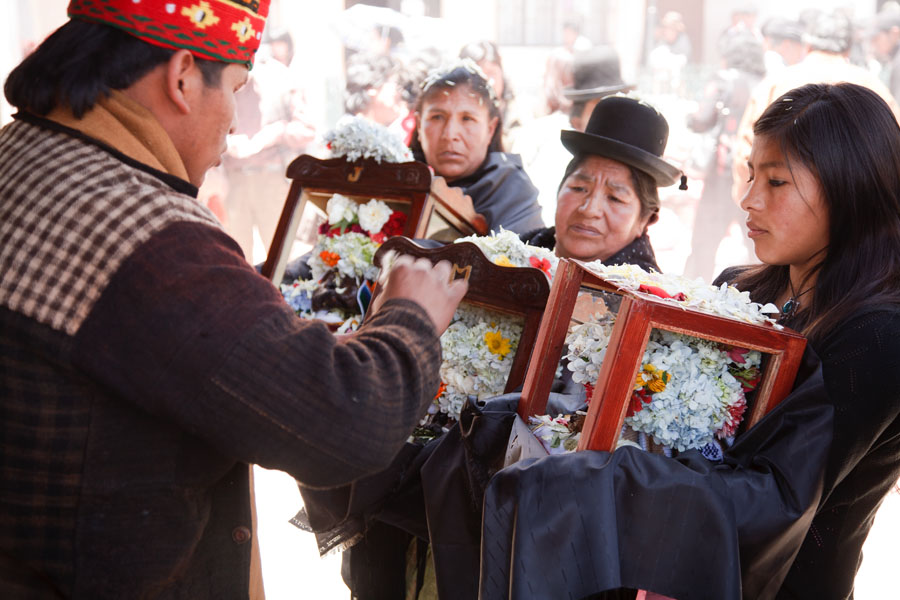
(223, 30)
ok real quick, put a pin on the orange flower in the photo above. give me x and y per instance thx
(440, 390)
(329, 258)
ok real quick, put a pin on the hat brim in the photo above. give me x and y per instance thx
(589, 93)
(662, 172)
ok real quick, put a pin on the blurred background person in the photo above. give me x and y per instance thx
(416, 67)
(829, 37)
(458, 124)
(670, 54)
(783, 39)
(373, 88)
(272, 129)
(573, 40)
(487, 56)
(594, 74)
(884, 43)
(720, 109)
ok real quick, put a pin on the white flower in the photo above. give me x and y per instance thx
(355, 251)
(373, 215)
(726, 301)
(701, 396)
(469, 367)
(356, 137)
(506, 246)
(340, 208)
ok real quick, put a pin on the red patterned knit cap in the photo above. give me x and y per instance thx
(223, 30)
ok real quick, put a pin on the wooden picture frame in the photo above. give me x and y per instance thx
(520, 291)
(407, 187)
(404, 186)
(638, 314)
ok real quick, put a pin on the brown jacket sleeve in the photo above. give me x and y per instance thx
(189, 332)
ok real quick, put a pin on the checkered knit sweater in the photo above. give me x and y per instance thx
(144, 364)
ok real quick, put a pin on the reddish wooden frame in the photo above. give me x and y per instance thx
(408, 183)
(638, 314)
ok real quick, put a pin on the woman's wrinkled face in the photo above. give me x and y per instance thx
(455, 130)
(787, 216)
(598, 211)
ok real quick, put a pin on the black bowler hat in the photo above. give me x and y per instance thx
(629, 131)
(595, 72)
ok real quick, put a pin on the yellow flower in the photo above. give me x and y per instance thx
(503, 261)
(651, 378)
(496, 343)
(202, 15)
(243, 29)
(639, 381)
(657, 385)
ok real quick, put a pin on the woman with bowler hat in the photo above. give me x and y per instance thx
(608, 196)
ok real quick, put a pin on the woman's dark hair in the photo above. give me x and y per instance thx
(465, 74)
(644, 186)
(847, 137)
(80, 61)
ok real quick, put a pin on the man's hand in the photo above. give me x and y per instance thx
(428, 286)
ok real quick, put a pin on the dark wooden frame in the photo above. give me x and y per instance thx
(516, 291)
(408, 184)
(638, 314)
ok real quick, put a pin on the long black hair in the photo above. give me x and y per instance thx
(467, 74)
(80, 61)
(847, 137)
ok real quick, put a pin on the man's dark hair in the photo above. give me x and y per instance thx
(82, 60)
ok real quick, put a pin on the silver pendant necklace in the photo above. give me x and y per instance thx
(793, 302)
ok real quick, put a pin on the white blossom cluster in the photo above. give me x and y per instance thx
(586, 345)
(371, 216)
(506, 249)
(356, 251)
(725, 301)
(355, 137)
(698, 400)
(701, 397)
(469, 366)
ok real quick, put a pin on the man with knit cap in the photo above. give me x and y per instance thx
(144, 364)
